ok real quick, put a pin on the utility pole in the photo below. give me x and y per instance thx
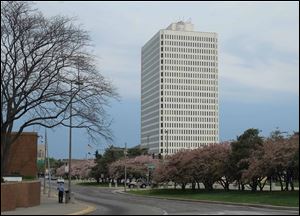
(78, 82)
(49, 171)
(45, 167)
(148, 142)
(70, 149)
(125, 154)
(167, 132)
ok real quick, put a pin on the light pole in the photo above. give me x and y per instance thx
(148, 143)
(48, 161)
(45, 167)
(125, 171)
(68, 198)
(167, 132)
(45, 150)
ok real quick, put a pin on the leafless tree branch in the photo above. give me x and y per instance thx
(40, 58)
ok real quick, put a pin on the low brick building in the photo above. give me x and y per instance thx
(23, 156)
(22, 161)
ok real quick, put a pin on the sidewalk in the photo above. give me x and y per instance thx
(50, 206)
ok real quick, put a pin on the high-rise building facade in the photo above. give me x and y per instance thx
(179, 90)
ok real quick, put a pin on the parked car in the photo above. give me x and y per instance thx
(60, 180)
(53, 178)
(139, 183)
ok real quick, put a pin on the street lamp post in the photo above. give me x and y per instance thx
(148, 141)
(167, 132)
(48, 161)
(70, 149)
(125, 168)
(68, 198)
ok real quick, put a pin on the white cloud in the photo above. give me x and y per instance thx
(260, 76)
(259, 45)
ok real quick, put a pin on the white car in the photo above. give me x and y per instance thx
(60, 181)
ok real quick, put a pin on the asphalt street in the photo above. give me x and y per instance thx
(110, 202)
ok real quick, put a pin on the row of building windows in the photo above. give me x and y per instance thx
(184, 87)
(190, 63)
(189, 125)
(188, 119)
(203, 76)
(190, 69)
(186, 56)
(188, 100)
(189, 50)
(190, 38)
(188, 44)
(189, 81)
(187, 138)
(188, 106)
(189, 112)
(205, 95)
(183, 145)
(191, 132)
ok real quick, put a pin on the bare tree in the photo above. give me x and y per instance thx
(40, 58)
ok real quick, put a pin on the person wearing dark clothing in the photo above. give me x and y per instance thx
(61, 190)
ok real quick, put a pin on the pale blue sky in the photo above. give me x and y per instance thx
(258, 54)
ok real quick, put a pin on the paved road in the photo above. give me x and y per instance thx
(110, 202)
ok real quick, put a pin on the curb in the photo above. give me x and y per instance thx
(89, 209)
(217, 202)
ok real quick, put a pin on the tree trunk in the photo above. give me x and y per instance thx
(286, 176)
(254, 185)
(193, 185)
(183, 186)
(280, 181)
(292, 185)
(243, 186)
(5, 147)
(208, 186)
(226, 186)
(198, 184)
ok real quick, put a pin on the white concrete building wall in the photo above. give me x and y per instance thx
(150, 94)
(184, 111)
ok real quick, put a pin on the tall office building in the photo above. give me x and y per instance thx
(179, 90)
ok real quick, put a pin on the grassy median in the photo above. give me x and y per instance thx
(276, 198)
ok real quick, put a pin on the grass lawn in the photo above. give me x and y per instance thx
(93, 184)
(277, 198)
(296, 184)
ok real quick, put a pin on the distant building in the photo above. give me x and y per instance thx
(41, 152)
(179, 89)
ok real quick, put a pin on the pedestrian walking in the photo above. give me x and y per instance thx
(61, 191)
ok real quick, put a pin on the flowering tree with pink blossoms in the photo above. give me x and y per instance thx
(277, 158)
(79, 169)
(207, 165)
(136, 167)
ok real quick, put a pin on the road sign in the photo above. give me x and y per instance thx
(151, 166)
